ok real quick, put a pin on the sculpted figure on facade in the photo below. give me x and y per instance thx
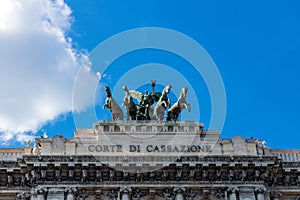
(71, 174)
(211, 174)
(178, 174)
(10, 181)
(218, 174)
(225, 174)
(244, 174)
(190, 194)
(238, 174)
(259, 147)
(293, 178)
(84, 175)
(287, 180)
(98, 175)
(271, 178)
(265, 176)
(82, 195)
(152, 175)
(231, 175)
(139, 176)
(167, 194)
(23, 180)
(192, 175)
(125, 175)
(33, 178)
(165, 175)
(57, 175)
(111, 175)
(137, 194)
(43, 174)
(37, 150)
(204, 174)
(257, 175)
(28, 178)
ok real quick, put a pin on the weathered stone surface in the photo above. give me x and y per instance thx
(239, 145)
(227, 169)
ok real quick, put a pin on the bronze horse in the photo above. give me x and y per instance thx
(180, 104)
(111, 104)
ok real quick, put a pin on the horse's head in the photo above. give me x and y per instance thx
(124, 87)
(184, 92)
(108, 93)
(167, 89)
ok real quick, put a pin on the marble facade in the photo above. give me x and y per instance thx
(115, 161)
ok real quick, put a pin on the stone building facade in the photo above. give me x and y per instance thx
(149, 160)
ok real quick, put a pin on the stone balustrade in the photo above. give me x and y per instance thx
(286, 155)
(144, 126)
(10, 154)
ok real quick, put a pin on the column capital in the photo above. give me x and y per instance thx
(125, 189)
(232, 190)
(71, 190)
(179, 189)
(41, 190)
(260, 190)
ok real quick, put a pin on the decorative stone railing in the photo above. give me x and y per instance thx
(9, 154)
(147, 126)
(286, 155)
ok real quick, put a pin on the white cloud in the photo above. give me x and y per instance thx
(37, 65)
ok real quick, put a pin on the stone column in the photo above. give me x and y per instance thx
(179, 193)
(98, 193)
(33, 194)
(70, 193)
(232, 193)
(125, 193)
(41, 193)
(276, 195)
(152, 192)
(246, 192)
(260, 193)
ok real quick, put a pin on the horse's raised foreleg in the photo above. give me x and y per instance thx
(128, 113)
(189, 107)
(170, 116)
(186, 106)
(117, 116)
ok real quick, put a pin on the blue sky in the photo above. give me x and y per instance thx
(255, 46)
